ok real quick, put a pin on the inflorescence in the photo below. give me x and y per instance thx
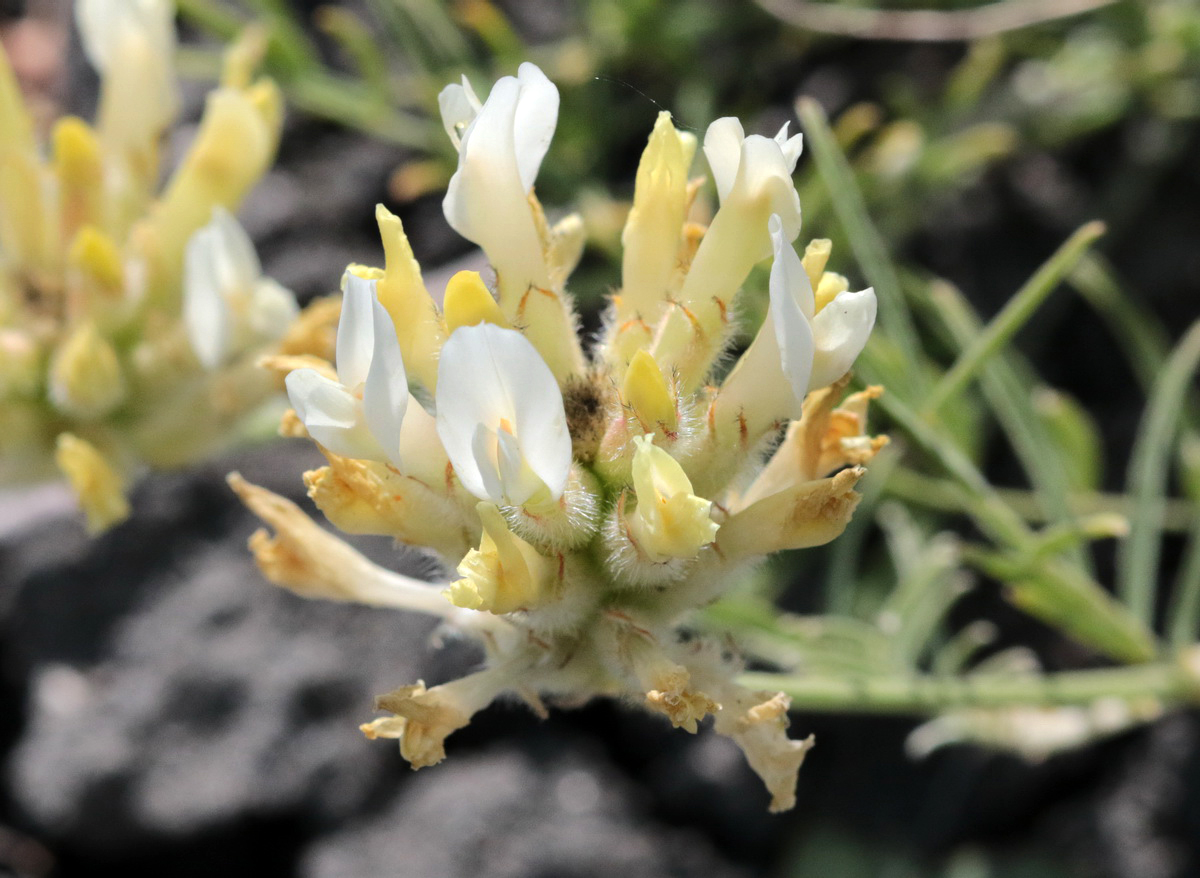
(589, 500)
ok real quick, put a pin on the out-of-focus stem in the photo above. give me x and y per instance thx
(942, 494)
(1012, 316)
(1173, 682)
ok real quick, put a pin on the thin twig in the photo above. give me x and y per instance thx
(926, 26)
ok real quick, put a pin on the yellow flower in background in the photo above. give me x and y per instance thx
(131, 318)
(588, 500)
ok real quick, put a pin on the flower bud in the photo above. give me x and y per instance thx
(655, 226)
(645, 390)
(20, 364)
(402, 292)
(468, 303)
(131, 43)
(238, 134)
(799, 516)
(79, 167)
(85, 375)
(669, 521)
(99, 487)
(504, 574)
(98, 260)
(367, 497)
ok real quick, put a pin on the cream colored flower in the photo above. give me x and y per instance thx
(798, 346)
(228, 305)
(131, 43)
(360, 414)
(504, 574)
(501, 144)
(500, 416)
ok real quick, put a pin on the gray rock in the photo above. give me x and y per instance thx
(503, 814)
(173, 690)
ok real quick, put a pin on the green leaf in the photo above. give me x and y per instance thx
(1137, 563)
(1076, 438)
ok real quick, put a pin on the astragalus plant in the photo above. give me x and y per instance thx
(590, 498)
(131, 317)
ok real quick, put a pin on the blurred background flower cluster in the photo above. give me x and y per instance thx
(165, 711)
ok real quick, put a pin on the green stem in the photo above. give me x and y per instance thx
(343, 102)
(1008, 395)
(1135, 329)
(1183, 618)
(1013, 316)
(991, 513)
(923, 694)
(1137, 564)
(211, 17)
(930, 492)
(1062, 596)
(868, 245)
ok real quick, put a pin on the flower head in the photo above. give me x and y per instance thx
(95, 313)
(587, 503)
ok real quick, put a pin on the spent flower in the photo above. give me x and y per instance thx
(589, 502)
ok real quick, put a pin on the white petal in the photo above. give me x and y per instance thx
(487, 199)
(541, 422)
(787, 271)
(534, 122)
(516, 476)
(487, 166)
(355, 333)
(790, 290)
(420, 447)
(105, 24)
(237, 264)
(482, 477)
(487, 374)
(331, 414)
(97, 31)
(385, 394)
(723, 149)
(764, 173)
(458, 106)
(206, 315)
(841, 330)
(272, 309)
(791, 147)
